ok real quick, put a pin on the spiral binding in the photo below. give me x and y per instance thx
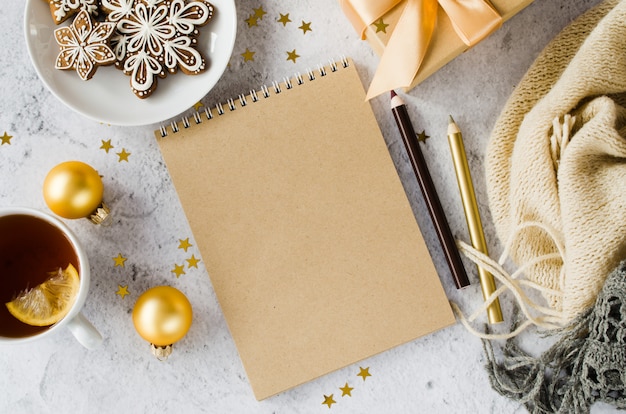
(253, 96)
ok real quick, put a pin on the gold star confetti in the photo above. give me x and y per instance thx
(178, 270)
(328, 400)
(106, 145)
(248, 55)
(306, 27)
(422, 137)
(123, 155)
(292, 56)
(284, 19)
(6, 138)
(259, 13)
(122, 291)
(252, 21)
(119, 260)
(192, 262)
(380, 25)
(365, 372)
(346, 390)
(184, 244)
(198, 105)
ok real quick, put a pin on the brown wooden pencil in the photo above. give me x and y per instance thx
(448, 243)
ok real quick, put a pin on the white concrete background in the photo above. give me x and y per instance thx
(439, 373)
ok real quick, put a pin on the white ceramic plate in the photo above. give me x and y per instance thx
(107, 96)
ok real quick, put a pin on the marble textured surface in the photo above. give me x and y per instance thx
(439, 373)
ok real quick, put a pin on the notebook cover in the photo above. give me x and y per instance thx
(305, 230)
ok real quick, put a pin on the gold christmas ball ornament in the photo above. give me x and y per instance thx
(74, 190)
(162, 316)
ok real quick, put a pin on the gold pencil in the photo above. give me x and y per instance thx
(472, 215)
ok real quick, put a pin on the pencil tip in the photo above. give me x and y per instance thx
(451, 120)
(393, 93)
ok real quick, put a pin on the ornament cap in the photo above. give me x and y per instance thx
(161, 352)
(101, 215)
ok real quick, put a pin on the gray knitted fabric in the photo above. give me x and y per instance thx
(587, 364)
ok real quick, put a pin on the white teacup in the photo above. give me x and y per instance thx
(30, 240)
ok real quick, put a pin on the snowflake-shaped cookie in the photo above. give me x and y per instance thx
(117, 10)
(84, 45)
(157, 37)
(64, 9)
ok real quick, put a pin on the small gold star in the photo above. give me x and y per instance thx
(178, 270)
(292, 56)
(192, 262)
(106, 145)
(328, 400)
(248, 55)
(119, 260)
(284, 19)
(422, 137)
(259, 13)
(123, 155)
(346, 390)
(365, 372)
(306, 27)
(198, 105)
(380, 25)
(6, 138)
(122, 291)
(252, 20)
(184, 244)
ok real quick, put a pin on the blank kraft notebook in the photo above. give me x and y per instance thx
(304, 227)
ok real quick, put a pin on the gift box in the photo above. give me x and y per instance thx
(445, 43)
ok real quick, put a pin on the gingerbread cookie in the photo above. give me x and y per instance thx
(62, 10)
(84, 45)
(157, 37)
(115, 11)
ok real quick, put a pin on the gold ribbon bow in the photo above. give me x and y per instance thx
(473, 20)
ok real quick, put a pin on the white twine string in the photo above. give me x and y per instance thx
(533, 312)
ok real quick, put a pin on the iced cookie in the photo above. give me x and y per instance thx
(159, 37)
(116, 10)
(84, 45)
(62, 10)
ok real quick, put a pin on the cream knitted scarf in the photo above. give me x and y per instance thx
(556, 163)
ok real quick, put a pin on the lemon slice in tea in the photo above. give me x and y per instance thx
(50, 301)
